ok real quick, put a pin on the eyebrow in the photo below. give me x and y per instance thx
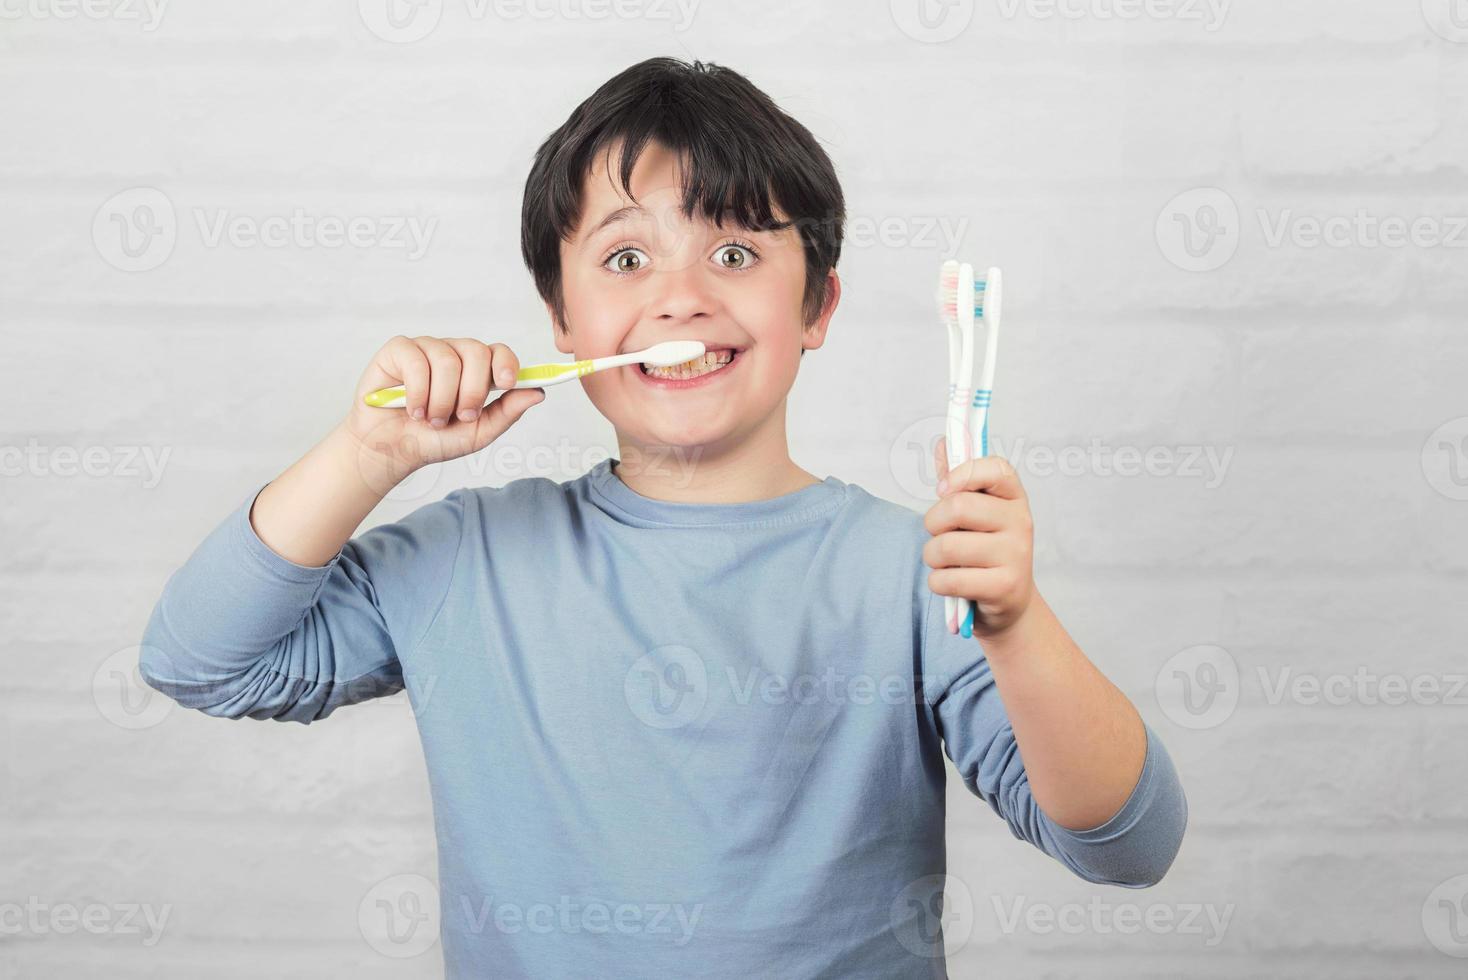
(621, 214)
(631, 210)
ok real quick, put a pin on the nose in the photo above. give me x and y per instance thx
(683, 295)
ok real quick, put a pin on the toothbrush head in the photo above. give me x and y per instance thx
(986, 291)
(671, 352)
(965, 304)
(948, 293)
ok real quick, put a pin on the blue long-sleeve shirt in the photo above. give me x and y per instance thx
(663, 739)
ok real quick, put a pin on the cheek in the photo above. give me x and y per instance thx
(598, 314)
(771, 314)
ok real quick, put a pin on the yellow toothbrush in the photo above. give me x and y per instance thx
(666, 354)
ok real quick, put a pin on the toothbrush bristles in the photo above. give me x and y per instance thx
(948, 292)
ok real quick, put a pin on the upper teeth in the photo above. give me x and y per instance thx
(691, 369)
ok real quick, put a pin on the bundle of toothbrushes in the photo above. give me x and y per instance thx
(963, 302)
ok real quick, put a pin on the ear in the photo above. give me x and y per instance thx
(814, 334)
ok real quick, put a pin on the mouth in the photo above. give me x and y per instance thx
(715, 362)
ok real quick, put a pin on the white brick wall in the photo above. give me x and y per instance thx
(1328, 535)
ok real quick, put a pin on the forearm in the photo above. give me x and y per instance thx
(308, 512)
(1081, 739)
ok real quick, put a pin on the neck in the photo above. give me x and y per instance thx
(745, 467)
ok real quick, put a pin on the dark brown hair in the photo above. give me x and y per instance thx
(741, 157)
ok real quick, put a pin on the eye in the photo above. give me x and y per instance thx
(736, 257)
(626, 260)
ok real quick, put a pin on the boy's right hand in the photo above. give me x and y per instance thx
(447, 382)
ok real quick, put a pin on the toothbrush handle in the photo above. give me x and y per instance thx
(534, 376)
(978, 444)
(956, 445)
(396, 396)
(963, 609)
(978, 423)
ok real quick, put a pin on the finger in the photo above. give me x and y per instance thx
(940, 458)
(506, 365)
(504, 412)
(965, 549)
(443, 382)
(969, 512)
(408, 363)
(982, 584)
(988, 474)
(474, 360)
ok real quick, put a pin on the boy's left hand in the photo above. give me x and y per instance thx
(983, 538)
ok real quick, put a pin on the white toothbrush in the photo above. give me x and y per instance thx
(960, 357)
(666, 354)
(962, 608)
(987, 304)
(961, 300)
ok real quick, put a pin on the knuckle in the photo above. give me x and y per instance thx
(444, 359)
(967, 506)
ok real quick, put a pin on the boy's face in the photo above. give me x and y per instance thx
(635, 274)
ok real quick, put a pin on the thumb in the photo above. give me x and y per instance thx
(504, 412)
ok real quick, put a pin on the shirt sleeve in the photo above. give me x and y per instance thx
(241, 631)
(1133, 849)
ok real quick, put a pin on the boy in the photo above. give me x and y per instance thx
(708, 696)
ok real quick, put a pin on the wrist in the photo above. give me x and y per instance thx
(1023, 633)
(378, 466)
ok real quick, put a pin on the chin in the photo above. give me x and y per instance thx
(688, 437)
